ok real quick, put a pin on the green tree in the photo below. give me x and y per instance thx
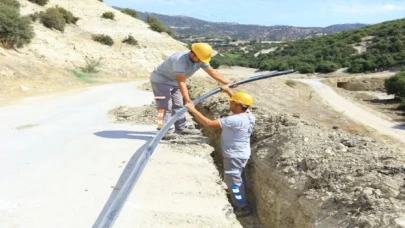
(12, 3)
(326, 67)
(396, 85)
(15, 31)
(305, 68)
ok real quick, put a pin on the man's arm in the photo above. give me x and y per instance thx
(227, 90)
(217, 76)
(201, 118)
(181, 79)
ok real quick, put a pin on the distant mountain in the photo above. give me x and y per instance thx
(342, 27)
(185, 27)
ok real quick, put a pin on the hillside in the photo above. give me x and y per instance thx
(52, 61)
(188, 26)
(372, 48)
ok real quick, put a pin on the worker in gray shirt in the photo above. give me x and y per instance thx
(235, 144)
(168, 82)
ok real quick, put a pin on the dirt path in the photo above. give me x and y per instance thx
(389, 128)
(62, 158)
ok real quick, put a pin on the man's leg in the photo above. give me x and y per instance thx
(233, 171)
(178, 104)
(163, 99)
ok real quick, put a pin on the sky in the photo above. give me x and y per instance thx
(303, 13)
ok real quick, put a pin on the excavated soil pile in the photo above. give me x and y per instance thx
(308, 174)
(362, 84)
(145, 115)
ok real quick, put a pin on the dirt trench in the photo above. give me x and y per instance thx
(307, 173)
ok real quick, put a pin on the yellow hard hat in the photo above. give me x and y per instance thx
(242, 98)
(203, 51)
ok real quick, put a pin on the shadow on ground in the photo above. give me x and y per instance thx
(139, 135)
(399, 127)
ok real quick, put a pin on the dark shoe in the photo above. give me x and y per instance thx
(187, 132)
(170, 136)
(242, 211)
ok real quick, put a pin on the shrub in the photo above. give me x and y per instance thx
(131, 13)
(396, 85)
(130, 40)
(13, 3)
(215, 63)
(39, 2)
(361, 65)
(290, 83)
(326, 67)
(305, 68)
(155, 24)
(108, 15)
(68, 16)
(91, 65)
(53, 18)
(14, 29)
(35, 16)
(402, 104)
(104, 39)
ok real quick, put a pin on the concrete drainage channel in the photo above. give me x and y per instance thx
(304, 175)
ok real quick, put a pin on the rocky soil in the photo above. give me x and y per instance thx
(145, 115)
(311, 167)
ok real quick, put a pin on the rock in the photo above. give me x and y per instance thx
(328, 151)
(24, 88)
(341, 147)
(400, 222)
(368, 191)
(349, 178)
(288, 170)
(377, 192)
(306, 139)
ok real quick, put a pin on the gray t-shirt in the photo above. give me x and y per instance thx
(235, 137)
(178, 63)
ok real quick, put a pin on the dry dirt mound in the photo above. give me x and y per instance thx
(364, 84)
(145, 115)
(309, 173)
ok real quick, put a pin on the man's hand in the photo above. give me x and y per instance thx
(229, 82)
(190, 106)
(227, 90)
(224, 88)
(185, 101)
